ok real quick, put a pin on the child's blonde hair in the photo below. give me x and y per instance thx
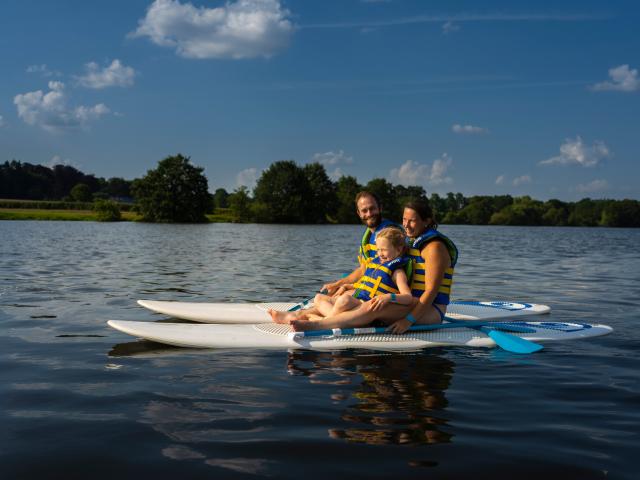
(396, 236)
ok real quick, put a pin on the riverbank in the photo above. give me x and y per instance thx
(83, 215)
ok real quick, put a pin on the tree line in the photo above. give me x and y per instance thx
(177, 191)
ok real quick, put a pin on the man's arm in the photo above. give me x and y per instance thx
(353, 277)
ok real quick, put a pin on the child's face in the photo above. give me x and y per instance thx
(386, 250)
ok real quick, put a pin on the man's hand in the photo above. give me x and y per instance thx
(399, 326)
(330, 287)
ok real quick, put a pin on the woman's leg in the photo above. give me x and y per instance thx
(359, 317)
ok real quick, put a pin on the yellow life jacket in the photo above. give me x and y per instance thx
(420, 268)
(378, 278)
(368, 249)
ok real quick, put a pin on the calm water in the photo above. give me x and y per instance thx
(79, 400)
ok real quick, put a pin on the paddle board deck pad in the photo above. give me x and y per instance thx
(276, 336)
(257, 312)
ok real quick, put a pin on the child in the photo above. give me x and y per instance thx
(384, 281)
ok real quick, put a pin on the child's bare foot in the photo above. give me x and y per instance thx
(281, 317)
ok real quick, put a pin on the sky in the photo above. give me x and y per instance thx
(532, 98)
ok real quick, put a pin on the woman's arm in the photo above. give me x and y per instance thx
(353, 277)
(437, 260)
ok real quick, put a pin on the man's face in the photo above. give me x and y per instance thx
(412, 223)
(369, 211)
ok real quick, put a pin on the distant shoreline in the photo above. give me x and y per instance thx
(90, 216)
(78, 215)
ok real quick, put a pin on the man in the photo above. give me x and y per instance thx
(369, 210)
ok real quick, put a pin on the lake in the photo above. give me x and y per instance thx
(80, 400)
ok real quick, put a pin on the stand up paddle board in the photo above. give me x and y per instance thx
(276, 336)
(251, 313)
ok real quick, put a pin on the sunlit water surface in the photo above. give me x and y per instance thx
(79, 400)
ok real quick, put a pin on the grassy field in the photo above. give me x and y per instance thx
(82, 215)
(36, 214)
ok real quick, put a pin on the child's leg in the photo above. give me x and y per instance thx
(343, 303)
(322, 305)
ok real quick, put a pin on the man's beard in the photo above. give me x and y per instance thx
(373, 222)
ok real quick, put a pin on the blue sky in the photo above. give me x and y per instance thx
(493, 97)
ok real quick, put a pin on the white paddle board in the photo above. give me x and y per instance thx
(250, 313)
(276, 336)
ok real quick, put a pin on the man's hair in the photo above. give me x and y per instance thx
(424, 211)
(365, 193)
(396, 236)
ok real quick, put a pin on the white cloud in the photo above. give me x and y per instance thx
(623, 79)
(247, 177)
(592, 187)
(521, 180)
(44, 70)
(114, 75)
(51, 110)
(2, 122)
(414, 173)
(468, 129)
(332, 158)
(575, 152)
(449, 27)
(336, 174)
(501, 179)
(240, 29)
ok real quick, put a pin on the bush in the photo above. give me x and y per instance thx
(106, 211)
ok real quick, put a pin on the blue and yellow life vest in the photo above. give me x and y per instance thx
(378, 278)
(368, 249)
(419, 267)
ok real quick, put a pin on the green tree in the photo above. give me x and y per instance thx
(284, 191)
(322, 194)
(107, 211)
(585, 213)
(406, 194)
(221, 198)
(176, 191)
(347, 188)
(439, 207)
(622, 213)
(387, 195)
(556, 214)
(81, 193)
(523, 211)
(118, 187)
(240, 205)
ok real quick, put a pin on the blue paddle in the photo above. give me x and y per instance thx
(510, 343)
(304, 303)
(416, 328)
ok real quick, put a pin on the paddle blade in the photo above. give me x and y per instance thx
(511, 343)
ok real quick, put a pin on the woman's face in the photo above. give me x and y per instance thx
(412, 223)
(386, 250)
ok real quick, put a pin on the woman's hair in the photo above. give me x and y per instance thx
(396, 236)
(424, 210)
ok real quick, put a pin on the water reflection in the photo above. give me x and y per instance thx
(398, 399)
